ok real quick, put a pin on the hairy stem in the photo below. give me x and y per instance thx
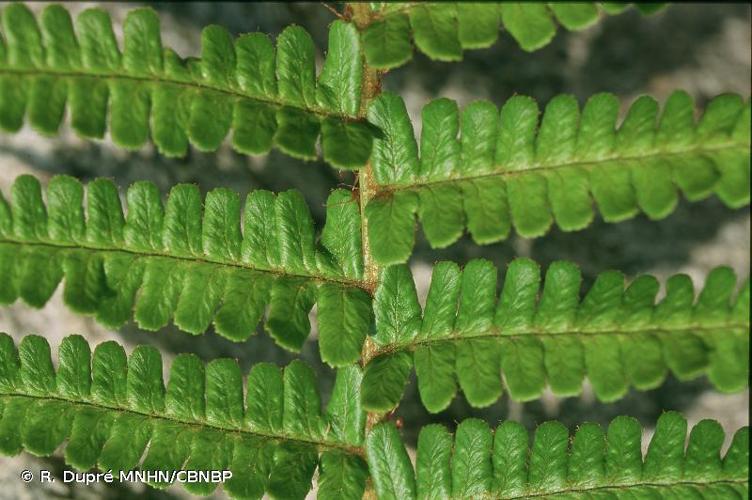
(362, 16)
(371, 85)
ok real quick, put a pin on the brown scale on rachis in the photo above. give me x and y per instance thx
(398, 422)
(354, 188)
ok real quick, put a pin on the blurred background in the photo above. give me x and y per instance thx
(701, 48)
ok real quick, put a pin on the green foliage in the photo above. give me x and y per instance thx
(476, 462)
(111, 410)
(114, 412)
(443, 31)
(267, 96)
(208, 262)
(189, 262)
(195, 267)
(488, 170)
(617, 337)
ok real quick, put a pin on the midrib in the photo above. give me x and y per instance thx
(614, 161)
(321, 444)
(627, 486)
(160, 79)
(498, 333)
(280, 273)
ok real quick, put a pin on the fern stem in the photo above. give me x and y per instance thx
(362, 16)
(371, 85)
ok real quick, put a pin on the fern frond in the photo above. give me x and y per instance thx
(114, 413)
(488, 170)
(443, 31)
(189, 261)
(477, 462)
(110, 409)
(267, 96)
(615, 337)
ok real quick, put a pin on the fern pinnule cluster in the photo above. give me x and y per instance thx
(476, 462)
(548, 336)
(487, 171)
(114, 412)
(267, 96)
(444, 30)
(188, 260)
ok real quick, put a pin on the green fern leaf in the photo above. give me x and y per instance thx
(109, 409)
(389, 464)
(267, 97)
(487, 171)
(477, 462)
(615, 337)
(443, 30)
(187, 263)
